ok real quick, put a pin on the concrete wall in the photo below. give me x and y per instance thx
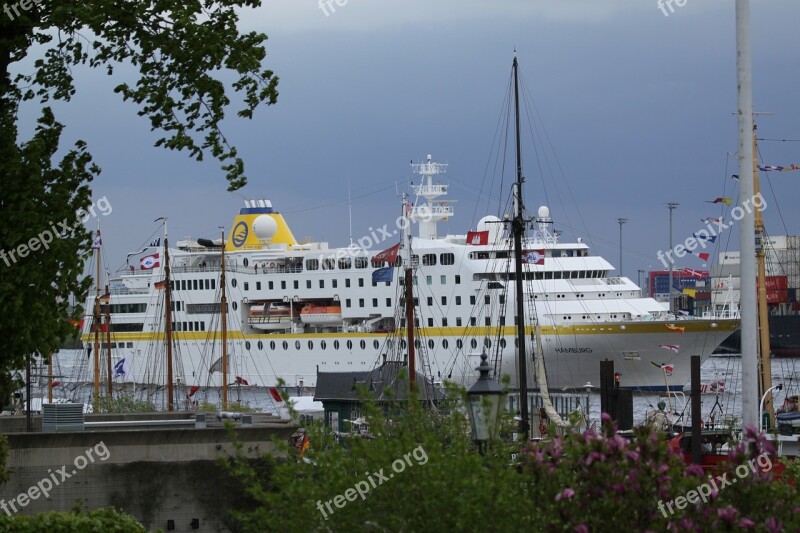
(154, 475)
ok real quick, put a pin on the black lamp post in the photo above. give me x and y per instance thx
(484, 401)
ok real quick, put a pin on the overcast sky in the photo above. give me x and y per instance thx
(636, 107)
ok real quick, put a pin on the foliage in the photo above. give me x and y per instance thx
(187, 58)
(595, 481)
(99, 521)
(122, 402)
(4, 451)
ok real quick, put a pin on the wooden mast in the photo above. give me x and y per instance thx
(108, 340)
(409, 296)
(96, 322)
(168, 320)
(50, 379)
(518, 227)
(764, 362)
(223, 301)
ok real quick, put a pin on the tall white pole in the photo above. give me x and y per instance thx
(747, 236)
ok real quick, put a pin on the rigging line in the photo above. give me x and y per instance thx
(539, 157)
(341, 202)
(780, 140)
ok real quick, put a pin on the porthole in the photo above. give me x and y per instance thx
(487, 342)
(349, 345)
(430, 344)
(235, 306)
(503, 343)
(323, 344)
(246, 262)
(376, 344)
(473, 343)
(310, 345)
(260, 345)
(233, 282)
(247, 345)
(335, 345)
(272, 345)
(417, 344)
(285, 345)
(296, 345)
(363, 344)
(403, 344)
(459, 343)
(445, 344)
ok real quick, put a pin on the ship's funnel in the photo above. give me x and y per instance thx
(256, 225)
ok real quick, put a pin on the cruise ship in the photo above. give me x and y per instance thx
(296, 308)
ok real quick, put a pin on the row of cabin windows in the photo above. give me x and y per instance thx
(336, 345)
(473, 321)
(115, 345)
(548, 253)
(193, 284)
(346, 263)
(310, 284)
(123, 308)
(589, 317)
(189, 326)
(559, 274)
(361, 302)
(429, 280)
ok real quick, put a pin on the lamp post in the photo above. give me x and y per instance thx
(761, 407)
(671, 206)
(621, 222)
(484, 401)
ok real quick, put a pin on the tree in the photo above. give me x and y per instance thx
(183, 50)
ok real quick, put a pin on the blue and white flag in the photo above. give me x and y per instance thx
(705, 237)
(156, 242)
(121, 368)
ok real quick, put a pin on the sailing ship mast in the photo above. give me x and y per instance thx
(747, 234)
(168, 319)
(108, 338)
(224, 319)
(518, 228)
(96, 320)
(409, 294)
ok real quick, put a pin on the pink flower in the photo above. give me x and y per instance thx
(728, 514)
(773, 525)
(565, 494)
(746, 523)
(581, 528)
(693, 470)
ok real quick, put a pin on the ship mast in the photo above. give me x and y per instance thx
(168, 319)
(223, 302)
(108, 338)
(409, 293)
(97, 321)
(747, 300)
(764, 362)
(518, 228)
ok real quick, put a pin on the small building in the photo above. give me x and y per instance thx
(341, 398)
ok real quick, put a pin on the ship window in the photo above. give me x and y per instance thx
(235, 306)
(429, 259)
(374, 302)
(345, 263)
(429, 280)
(310, 345)
(388, 302)
(191, 326)
(349, 345)
(272, 345)
(487, 299)
(444, 300)
(329, 263)
(430, 301)
(296, 345)
(417, 343)
(473, 321)
(296, 284)
(430, 322)
(363, 344)
(208, 284)
(502, 298)
(458, 279)
(375, 344)
(487, 320)
(458, 300)
(582, 274)
(360, 282)
(285, 345)
(194, 284)
(234, 282)
(445, 344)
(473, 344)
(335, 283)
(246, 286)
(443, 280)
(361, 262)
(247, 345)
(260, 345)
(458, 321)
(447, 259)
(557, 275)
(444, 322)
(548, 275)
(430, 344)
(502, 343)
(308, 284)
(335, 345)
(347, 302)
(403, 344)
(323, 344)
(183, 285)
(472, 300)
(361, 302)
(258, 285)
(459, 343)
(312, 264)
(487, 342)
(185, 327)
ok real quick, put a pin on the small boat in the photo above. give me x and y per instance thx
(272, 316)
(321, 315)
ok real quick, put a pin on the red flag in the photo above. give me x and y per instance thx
(160, 284)
(275, 394)
(241, 380)
(478, 238)
(150, 261)
(699, 274)
(387, 256)
(55, 384)
(193, 390)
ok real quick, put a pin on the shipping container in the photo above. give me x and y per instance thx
(776, 282)
(776, 296)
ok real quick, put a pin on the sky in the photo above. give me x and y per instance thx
(633, 109)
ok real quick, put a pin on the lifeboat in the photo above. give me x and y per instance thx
(321, 315)
(268, 317)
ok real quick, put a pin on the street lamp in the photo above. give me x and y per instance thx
(671, 206)
(621, 222)
(484, 401)
(761, 408)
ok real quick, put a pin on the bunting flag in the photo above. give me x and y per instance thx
(160, 284)
(713, 387)
(478, 238)
(671, 347)
(702, 255)
(711, 220)
(720, 200)
(150, 261)
(666, 367)
(534, 257)
(122, 367)
(387, 256)
(383, 274)
(691, 293)
(193, 390)
(767, 168)
(98, 241)
(703, 237)
(241, 381)
(673, 327)
(275, 394)
(699, 274)
(156, 243)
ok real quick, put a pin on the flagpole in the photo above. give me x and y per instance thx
(671, 206)
(224, 324)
